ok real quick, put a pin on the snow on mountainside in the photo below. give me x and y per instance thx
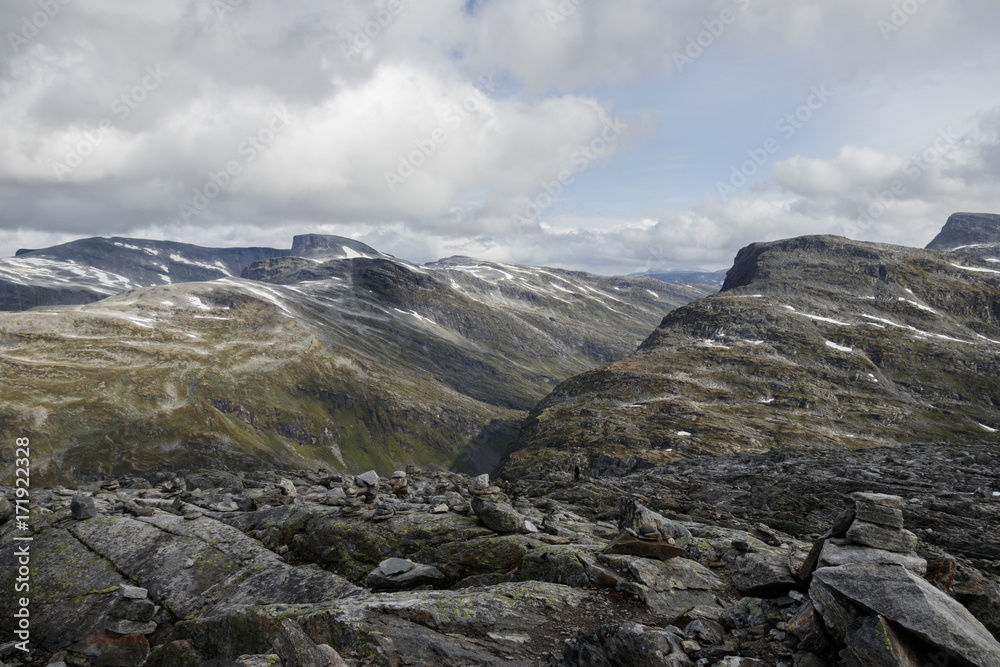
(346, 357)
(91, 269)
(813, 342)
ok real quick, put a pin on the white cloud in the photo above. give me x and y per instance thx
(357, 115)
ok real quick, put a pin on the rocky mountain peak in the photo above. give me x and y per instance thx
(967, 229)
(328, 246)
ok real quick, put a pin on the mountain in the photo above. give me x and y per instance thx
(696, 276)
(975, 234)
(356, 361)
(812, 342)
(88, 270)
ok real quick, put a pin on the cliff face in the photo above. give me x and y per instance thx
(971, 233)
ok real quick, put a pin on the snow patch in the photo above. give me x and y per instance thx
(653, 293)
(166, 303)
(683, 434)
(987, 428)
(416, 315)
(197, 303)
(838, 347)
(818, 318)
(976, 269)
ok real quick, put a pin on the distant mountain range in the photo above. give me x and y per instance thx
(335, 354)
(328, 354)
(812, 342)
(686, 276)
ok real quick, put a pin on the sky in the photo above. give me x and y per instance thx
(611, 136)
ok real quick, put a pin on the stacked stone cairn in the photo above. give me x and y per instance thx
(493, 508)
(869, 604)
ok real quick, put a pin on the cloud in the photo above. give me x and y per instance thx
(441, 126)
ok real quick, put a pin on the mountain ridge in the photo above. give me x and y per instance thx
(813, 342)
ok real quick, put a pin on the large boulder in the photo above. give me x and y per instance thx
(906, 600)
(501, 517)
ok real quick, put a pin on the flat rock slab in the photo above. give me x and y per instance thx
(878, 499)
(882, 537)
(631, 545)
(238, 569)
(880, 514)
(393, 566)
(916, 606)
(834, 554)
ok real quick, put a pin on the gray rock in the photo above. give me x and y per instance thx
(883, 499)
(480, 482)
(879, 514)
(123, 626)
(877, 642)
(913, 604)
(369, 478)
(498, 517)
(295, 647)
(393, 566)
(635, 516)
(835, 554)
(705, 632)
(626, 644)
(627, 543)
(757, 576)
(83, 507)
(140, 611)
(882, 537)
(403, 579)
(213, 479)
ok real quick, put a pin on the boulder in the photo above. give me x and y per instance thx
(499, 517)
(398, 574)
(759, 576)
(911, 603)
(669, 588)
(83, 507)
